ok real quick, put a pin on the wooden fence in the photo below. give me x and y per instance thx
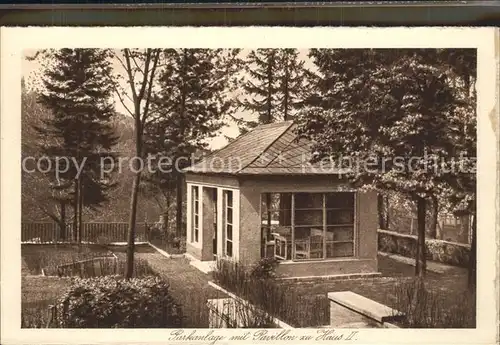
(91, 232)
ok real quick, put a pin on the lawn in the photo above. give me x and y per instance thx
(188, 286)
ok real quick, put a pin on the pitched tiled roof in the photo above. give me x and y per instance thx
(272, 149)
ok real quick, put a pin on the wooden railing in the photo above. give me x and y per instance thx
(46, 232)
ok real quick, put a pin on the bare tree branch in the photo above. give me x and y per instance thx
(150, 88)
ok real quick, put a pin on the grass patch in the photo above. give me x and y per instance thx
(425, 308)
(40, 256)
(37, 294)
(170, 245)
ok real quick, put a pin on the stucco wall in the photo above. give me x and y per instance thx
(367, 224)
(327, 267)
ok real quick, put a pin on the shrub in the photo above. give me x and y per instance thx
(265, 268)
(103, 240)
(112, 302)
(427, 309)
(451, 253)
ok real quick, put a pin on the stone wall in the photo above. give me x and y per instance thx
(450, 253)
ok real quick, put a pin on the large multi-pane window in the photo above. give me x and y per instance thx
(195, 198)
(228, 223)
(307, 226)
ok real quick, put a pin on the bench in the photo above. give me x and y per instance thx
(365, 306)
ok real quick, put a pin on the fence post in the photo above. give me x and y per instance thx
(411, 226)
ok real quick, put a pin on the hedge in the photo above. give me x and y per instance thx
(114, 302)
(450, 253)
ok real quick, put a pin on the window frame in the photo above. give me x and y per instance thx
(227, 223)
(195, 213)
(325, 225)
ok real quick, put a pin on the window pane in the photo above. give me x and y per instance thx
(316, 246)
(336, 250)
(195, 192)
(308, 243)
(309, 217)
(283, 247)
(334, 217)
(276, 201)
(229, 198)
(229, 248)
(229, 215)
(284, 231)
(308, 200)
(265, 234)
(339, 233)
(340, 200)
(196, 207)
(229, 232)
(283, 217)
(196, 235)
(196, 222)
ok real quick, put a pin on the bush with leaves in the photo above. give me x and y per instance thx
(265, 268)
(113, 302)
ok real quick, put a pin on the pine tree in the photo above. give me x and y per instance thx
(385, 106)
(274, 85)
(77, 92)
(189, 107)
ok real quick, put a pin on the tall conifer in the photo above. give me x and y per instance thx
(77, 92)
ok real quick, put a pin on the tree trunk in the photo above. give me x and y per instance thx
(62, 223)
(386, 212)
(131, 226)
(380, 210)
(166, 214)
(286, 92)
(434, 218)
(270, 81)
(75, 213)
(471, 274)
(179, 197)
(465, 227)
(420, 261)
(135, 196)
(80, 212)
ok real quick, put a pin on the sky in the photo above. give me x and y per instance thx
(31, 71)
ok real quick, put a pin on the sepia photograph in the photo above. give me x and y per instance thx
(332, 188)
